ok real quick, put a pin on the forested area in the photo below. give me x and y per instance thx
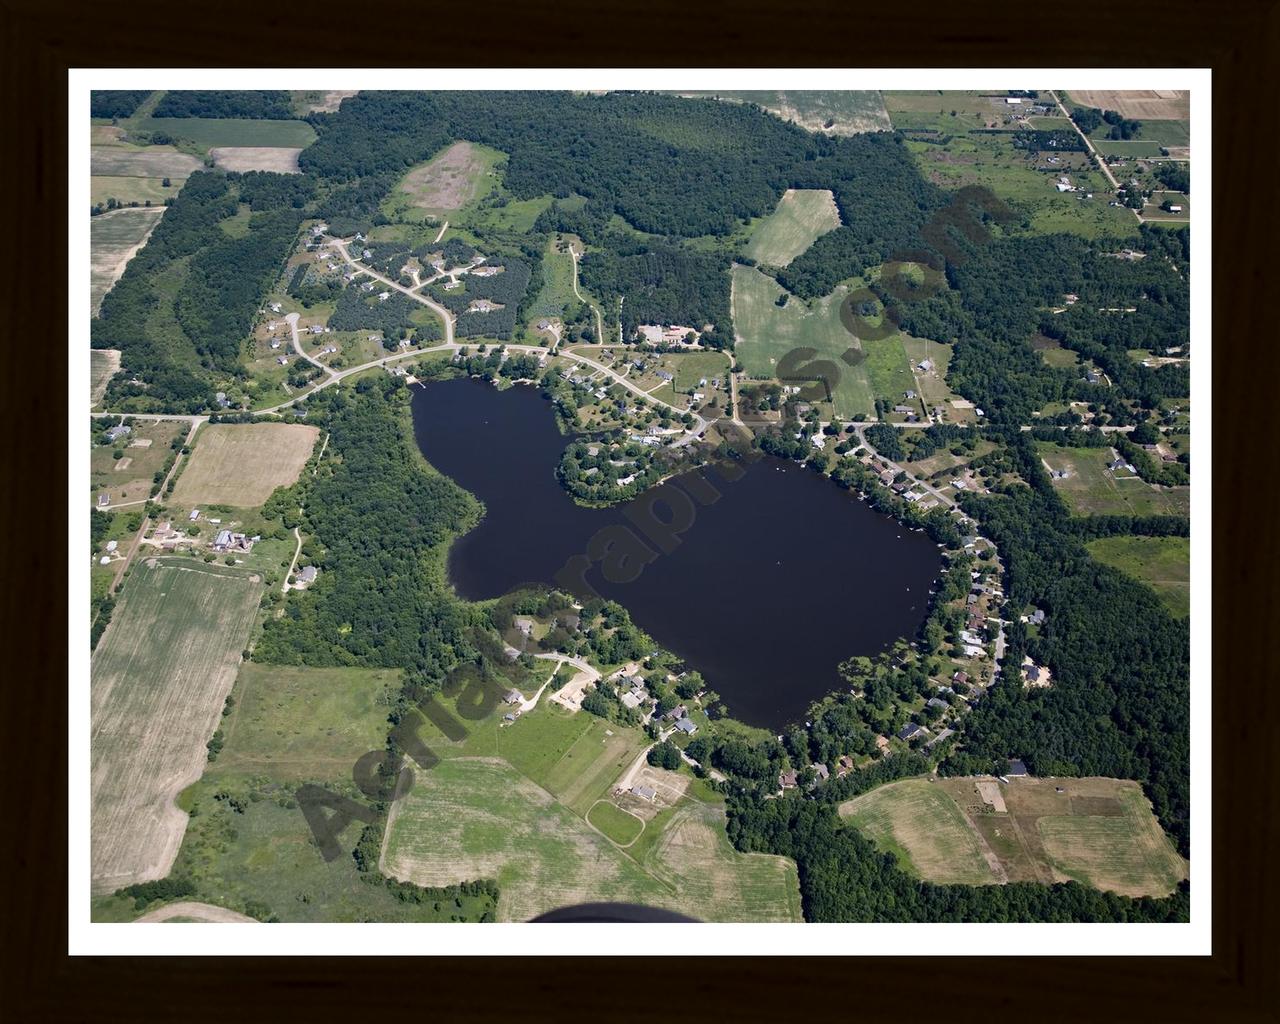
(382, 519)
(507, 290)
(185, 302)
(252, 103)
(357, 310)
(115, 102)
(663, 284)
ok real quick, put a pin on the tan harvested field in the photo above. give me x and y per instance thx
(479, 818)
(240, 464)
(188, 911)
(104, 363)
(447, 182)
(1142, 104)
(158, 680)
(921, 825)
(151, 162)
(256, 158)
(1099, 832)
(114, 239)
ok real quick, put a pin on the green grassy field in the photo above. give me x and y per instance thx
(1092, 489)
(613, 821)
(691, 367)
(124, 160)
(457, 178)
(482, 818)
(213, 132)
(802, 215)
(922, 826)
(768, 332)
(957, 158)
(261, 859)
(1163, 563)
(556, 296)
(294, 722)
(160, 675)
(126, 190)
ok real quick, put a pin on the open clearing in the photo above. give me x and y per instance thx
(767, 332)
(1093, 489)
(925, 830)
(240, 464)
(104, 363)
(114, 239)
(839, 112)
(158, 681)
(299, 722)
(321, 102)
(449, 180)
(479, 818)
(1099, 832)
(256, 158)
(1163, 563)
(1141, 104)
(802, 216)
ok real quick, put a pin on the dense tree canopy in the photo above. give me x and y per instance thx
(253, 103)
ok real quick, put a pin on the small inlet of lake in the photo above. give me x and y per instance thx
(772, 585)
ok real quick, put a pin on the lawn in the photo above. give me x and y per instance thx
(619, 825)
(767, 333)
(1163, 563)
(159, 677)
(919, 824)
(294, 722)
(470, 818)
(241, 464)
(802, 215)
(692, 367)
(214, 132)
(1092, 489)
(114, 238)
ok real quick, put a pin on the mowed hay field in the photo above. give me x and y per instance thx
(1163, 563)
(1092, 489)
(922, 826)
(1099, 832)
(767, 332)
(240, 464)
(802, 216)
(114, 239)
(159, 677)
(282, 160)
(479, 818)
(1140, 104)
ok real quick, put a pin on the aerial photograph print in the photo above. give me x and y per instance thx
(614, 504)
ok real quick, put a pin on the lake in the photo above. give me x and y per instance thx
(774, 583)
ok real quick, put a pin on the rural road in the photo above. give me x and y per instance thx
(860, 430)
(292, 320)
(360, 268)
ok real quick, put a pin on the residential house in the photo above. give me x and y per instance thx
(645, 793)
(307, 574)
